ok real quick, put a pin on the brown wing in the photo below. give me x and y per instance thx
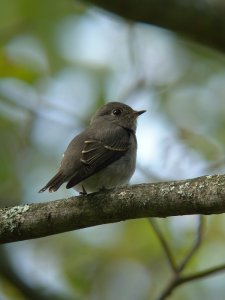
(88, 153)
(99, 152)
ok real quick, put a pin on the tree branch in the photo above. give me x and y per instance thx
(164, 244)
(195, 246)
(201, 274)
(177, 278)
(177, 281)
(203, 195)
(201, 21)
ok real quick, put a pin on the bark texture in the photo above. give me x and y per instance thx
(203, 195)
(199, 20)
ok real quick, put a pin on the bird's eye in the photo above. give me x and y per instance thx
(117, 112)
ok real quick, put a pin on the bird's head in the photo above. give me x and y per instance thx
(119, 114)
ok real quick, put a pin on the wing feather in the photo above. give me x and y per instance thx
(98, 153)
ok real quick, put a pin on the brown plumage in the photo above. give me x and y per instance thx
(109, 141)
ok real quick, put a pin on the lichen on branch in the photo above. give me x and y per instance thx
(202, 195)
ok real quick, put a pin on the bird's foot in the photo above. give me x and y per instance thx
(84, 192)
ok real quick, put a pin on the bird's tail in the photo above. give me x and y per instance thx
(54, 183)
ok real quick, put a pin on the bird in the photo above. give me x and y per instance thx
(103, 156)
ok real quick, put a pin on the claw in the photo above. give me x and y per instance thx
(84, 192)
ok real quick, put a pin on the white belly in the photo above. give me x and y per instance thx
(116, 174)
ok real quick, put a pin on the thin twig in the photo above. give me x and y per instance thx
(177, 278)
(169, 288)
(164, 245)
(202, 274)
(196, 244)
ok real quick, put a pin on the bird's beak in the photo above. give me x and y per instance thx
(138, 113)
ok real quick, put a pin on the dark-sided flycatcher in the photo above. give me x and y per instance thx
(103, 155)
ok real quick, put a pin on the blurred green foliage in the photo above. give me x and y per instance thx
(59, 61)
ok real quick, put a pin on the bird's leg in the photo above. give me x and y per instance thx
(84, 192)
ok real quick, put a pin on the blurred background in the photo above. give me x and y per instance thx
(60, 61)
